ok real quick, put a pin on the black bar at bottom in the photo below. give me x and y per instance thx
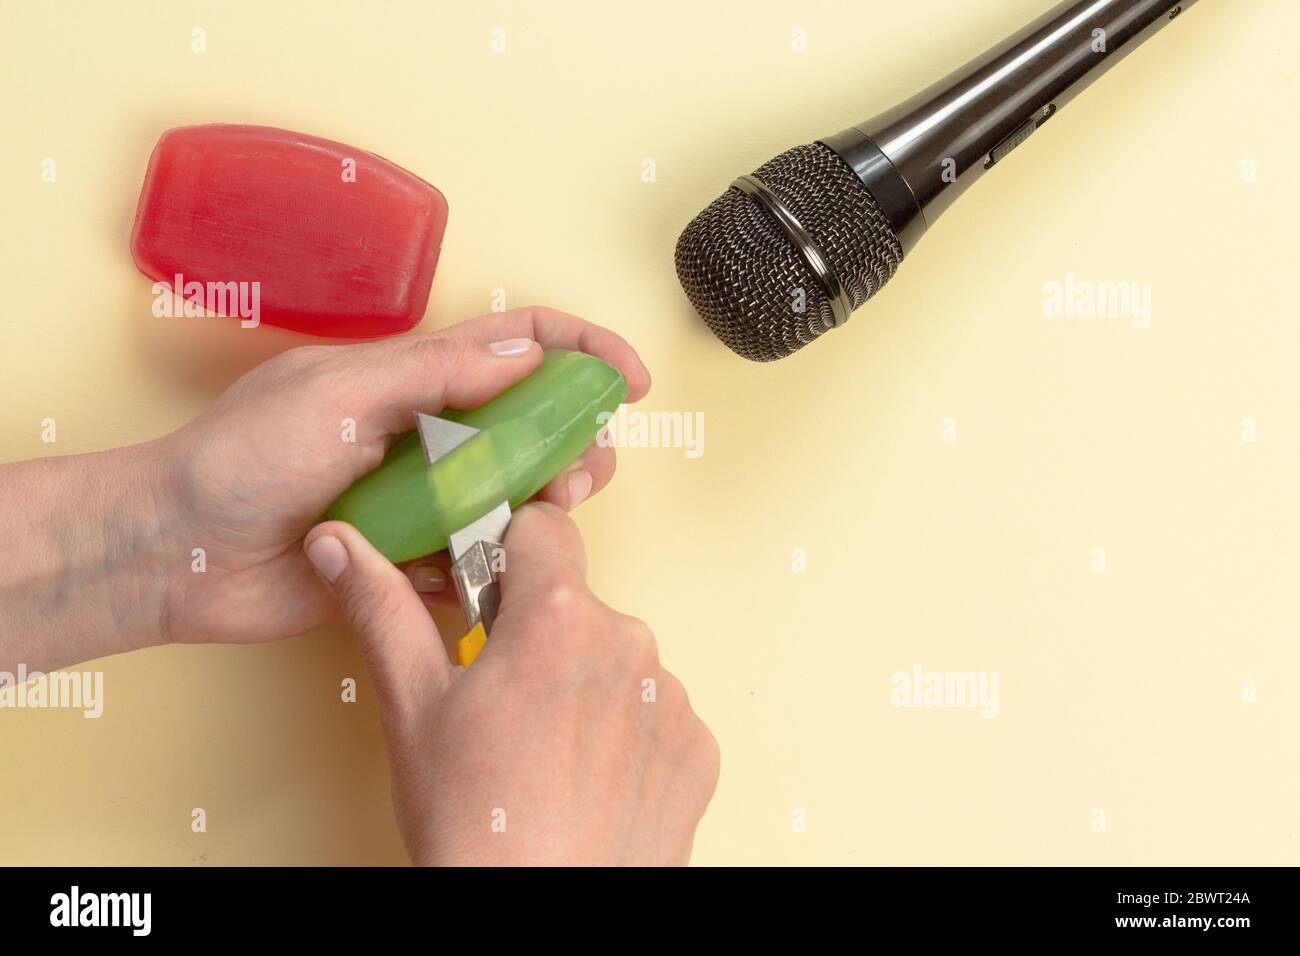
(207, 906)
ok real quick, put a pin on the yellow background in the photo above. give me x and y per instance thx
(1120, 691)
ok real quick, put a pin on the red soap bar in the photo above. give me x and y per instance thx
(338, 241)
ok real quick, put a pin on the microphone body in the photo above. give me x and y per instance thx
(942, 140)
(791, 250)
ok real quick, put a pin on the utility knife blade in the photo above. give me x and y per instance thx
(476, 551)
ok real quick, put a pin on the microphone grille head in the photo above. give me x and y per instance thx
(747, 278)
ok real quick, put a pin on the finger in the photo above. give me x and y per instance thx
(431, 578)
(591, 472)
(399, 641)
(392, 379)
(544, 553)
(428, 575)
(554, 329)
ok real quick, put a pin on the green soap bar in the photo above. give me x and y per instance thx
(527, 435)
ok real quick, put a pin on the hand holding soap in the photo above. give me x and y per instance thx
(527, 435)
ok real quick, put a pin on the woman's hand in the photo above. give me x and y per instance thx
(197, 536)
(565, 743)
(258, 469)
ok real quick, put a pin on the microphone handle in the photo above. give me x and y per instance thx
(921, 155)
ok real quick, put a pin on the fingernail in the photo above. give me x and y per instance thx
(579, 486)
(511, 347)
(428, 579)
(328, 556)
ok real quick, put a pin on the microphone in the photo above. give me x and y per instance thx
(787, 253)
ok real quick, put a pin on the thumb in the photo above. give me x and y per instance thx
(399, 640)
(427, 373)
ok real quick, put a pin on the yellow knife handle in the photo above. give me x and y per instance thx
(467, 647)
